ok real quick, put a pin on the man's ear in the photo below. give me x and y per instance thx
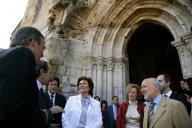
(33, 43)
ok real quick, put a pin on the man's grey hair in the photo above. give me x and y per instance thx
(157, 83)
(25, 35)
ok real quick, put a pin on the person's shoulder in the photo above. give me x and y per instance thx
(178, 96)
(141, 103)
(60, 96)
(73, 97)
(23, 50)
(110, 106)
(18, 51)
(125, 103)
(15, 52)
(172, 102)
(95, 101)
(5, 52)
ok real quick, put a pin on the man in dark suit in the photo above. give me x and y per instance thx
(111, 113)
(43, 74)
(164, 79)
(56, 98)
(18, 93)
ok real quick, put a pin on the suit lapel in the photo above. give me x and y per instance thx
(111, 111)
(90, 106)
(78, 102)
(145, 121)
(56, 99)
(159, 112)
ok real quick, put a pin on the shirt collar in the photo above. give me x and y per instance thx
(169, 93)
(50, 94)
(157, 99)
(39, 85)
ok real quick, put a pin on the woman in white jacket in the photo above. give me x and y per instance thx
(82, 111)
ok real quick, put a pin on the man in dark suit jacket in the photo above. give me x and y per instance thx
(111, 113)
(43, 74)
(18, 93)
(56, 98)
(166, 91)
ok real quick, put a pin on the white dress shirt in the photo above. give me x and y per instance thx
(39, 85)
(115, 111)
(168, 93)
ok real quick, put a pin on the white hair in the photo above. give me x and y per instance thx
(157, 83)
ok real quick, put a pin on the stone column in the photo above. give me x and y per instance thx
(110, 67)
(104, 90)
(120, 79)
(185, 56)
(89, 69)
(94, 79)
(99, 85)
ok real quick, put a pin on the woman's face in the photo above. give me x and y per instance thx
(84, 87)
(132, 94)
(104, 106)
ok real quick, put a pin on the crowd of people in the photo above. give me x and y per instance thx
(26, 104)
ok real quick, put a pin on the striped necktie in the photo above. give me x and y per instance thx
(150, 113)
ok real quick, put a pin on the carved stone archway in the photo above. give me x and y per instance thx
(90, 37)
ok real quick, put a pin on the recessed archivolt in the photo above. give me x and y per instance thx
(124, 17)
(153, 16)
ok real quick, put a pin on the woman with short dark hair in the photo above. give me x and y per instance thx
(82, 110)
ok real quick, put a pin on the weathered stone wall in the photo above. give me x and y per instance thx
(90, 37)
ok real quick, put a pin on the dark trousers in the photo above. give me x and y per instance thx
(115, 124)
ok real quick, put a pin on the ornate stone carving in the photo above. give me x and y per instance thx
(84, 3)
(110, 64)
(185, 57)
(188, 40)
(121, 62)
(99, 62)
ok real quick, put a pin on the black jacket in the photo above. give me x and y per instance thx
(18, 90)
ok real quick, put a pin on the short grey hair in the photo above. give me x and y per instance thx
(25, 35)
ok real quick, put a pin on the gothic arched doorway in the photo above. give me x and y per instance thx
(150, 53)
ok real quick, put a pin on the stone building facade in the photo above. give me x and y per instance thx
(90, 37)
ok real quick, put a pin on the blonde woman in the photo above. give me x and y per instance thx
(131, 112)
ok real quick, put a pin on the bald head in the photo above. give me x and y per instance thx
(150, 88)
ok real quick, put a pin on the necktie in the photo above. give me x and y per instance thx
(83, 116)
(51, 98)
(150, 113)
(41, 92)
